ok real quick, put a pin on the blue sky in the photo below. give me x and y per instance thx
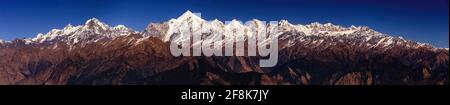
(420, 20)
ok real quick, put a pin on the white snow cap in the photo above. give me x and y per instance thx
(188, 14)
(93, 21)
(2, 41)
(93, 30)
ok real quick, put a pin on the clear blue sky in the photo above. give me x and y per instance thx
(420, 20)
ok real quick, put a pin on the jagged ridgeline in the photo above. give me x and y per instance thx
(312, 54)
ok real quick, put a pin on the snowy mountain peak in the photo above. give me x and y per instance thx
(235, 24)
(353, 27)
(2, 41)
(284, 22)
(40, 35)
(189, 15)
(120, 27)
(94, 23)
(216, 21)
(328, 24)
(69, 26)
(188, 21)
(255, 23)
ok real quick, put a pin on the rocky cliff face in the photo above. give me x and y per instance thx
(314, 54)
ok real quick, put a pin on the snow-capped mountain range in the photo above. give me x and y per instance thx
(92, 31)
(314, 34)
(311, 54)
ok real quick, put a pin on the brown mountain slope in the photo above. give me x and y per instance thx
(133, 60)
